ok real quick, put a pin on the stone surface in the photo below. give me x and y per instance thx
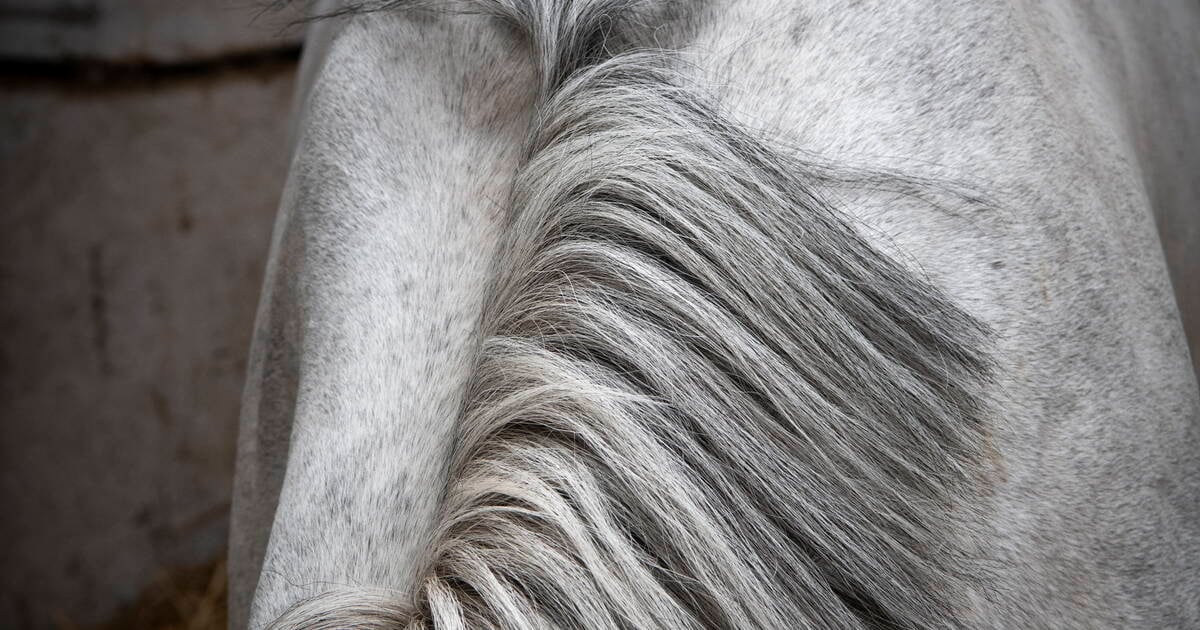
(143, 31)
(134, 224)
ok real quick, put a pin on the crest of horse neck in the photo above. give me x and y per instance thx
(393, 257)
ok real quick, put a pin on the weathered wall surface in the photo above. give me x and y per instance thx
(143, 31)
(134, 221)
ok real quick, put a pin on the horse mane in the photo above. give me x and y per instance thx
(703, 400)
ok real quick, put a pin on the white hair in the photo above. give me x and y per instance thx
(703, 400)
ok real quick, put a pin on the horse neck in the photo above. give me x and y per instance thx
(390, 265)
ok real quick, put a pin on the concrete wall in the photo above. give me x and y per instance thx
(135, 212)
(144, 31)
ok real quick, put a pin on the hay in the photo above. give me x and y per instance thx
(188, 598)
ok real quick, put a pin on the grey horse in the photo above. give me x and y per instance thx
(730, 313)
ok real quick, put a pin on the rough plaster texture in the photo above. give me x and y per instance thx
(134, 223)
(154, 31)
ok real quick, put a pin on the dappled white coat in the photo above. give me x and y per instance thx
(1011, 155)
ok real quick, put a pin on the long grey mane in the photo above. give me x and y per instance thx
(703, 400)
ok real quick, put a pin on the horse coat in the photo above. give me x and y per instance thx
(829, 314)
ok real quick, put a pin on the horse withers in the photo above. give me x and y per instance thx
(729, 313)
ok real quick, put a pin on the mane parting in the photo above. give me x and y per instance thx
(702, 400)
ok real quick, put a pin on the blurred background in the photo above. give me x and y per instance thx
(143, 147)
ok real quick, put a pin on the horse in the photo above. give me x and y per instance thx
(728, 313)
